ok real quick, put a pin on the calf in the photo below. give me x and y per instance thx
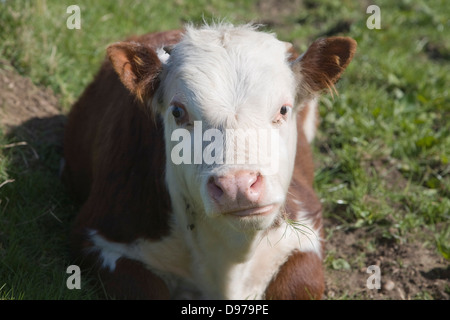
(159, 220)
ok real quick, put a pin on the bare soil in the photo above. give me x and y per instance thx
(29, 115)
(409, 270)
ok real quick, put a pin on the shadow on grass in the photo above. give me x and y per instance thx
(36, 145)
(36, 213)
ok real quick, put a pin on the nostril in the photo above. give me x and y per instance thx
(258, 182)
(256, 187)
(214, 190)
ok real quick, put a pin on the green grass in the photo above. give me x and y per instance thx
(35, 38)
(388, 136)
(382, 153)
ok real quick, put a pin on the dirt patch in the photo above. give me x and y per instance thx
(29, 115)
(437, 52)
(408, 271)
(21, 100)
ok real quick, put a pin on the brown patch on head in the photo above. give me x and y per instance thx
(137, 66)
(323, 63)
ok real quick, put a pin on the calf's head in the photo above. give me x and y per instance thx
(229, 98)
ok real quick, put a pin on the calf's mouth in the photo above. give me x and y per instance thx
(253, 211)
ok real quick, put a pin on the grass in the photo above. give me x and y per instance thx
(383, 150)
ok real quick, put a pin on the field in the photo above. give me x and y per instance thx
(382, 153)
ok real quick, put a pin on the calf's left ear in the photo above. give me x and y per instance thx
(138, 67)
(321, 66)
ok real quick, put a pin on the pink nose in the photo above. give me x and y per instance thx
(236, 190)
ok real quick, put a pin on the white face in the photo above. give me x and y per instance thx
(230, 125)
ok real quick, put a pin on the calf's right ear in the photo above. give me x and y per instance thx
(138, 67)
(321, 66)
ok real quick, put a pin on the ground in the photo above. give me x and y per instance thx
(409, 270)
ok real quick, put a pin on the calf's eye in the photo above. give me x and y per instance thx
(281, 116)
(177, 112)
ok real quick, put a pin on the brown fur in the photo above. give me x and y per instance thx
(323, 63)
(131, 280)
(110, 143)
(299, 278)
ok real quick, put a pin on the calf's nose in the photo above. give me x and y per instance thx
(239, 189)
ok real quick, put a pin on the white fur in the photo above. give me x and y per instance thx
(239, 269)
(162, 55)
(310, 123)
(229, 78)
(109, 252)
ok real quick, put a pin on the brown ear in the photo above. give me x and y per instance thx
(137, 66)
(323, 63)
